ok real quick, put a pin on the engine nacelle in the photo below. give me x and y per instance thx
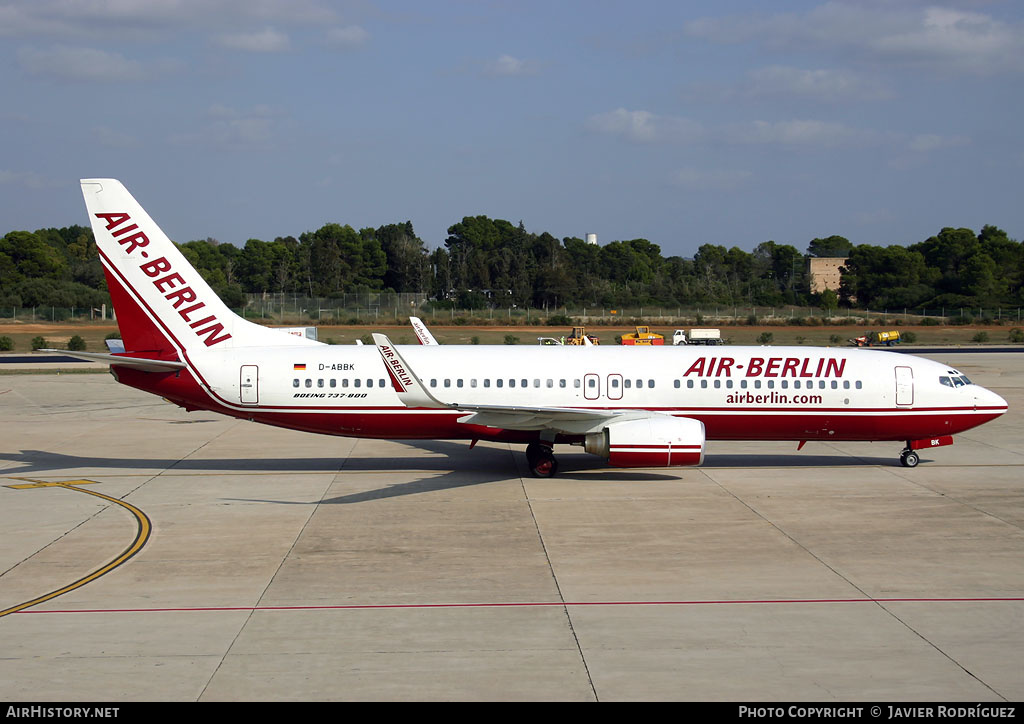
(659, 441)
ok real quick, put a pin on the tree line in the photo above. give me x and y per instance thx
(488, 262)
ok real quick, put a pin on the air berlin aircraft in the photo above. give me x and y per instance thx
(634, 406)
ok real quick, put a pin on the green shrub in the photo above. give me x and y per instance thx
(39, 343)
(6, 344)
(908, 337)
(980, 337)
(76, 344)
(765, 338)
(511, 339)
(1017, 334)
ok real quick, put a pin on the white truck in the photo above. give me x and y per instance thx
(697, 336)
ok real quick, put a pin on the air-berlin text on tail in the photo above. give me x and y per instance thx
(770, 367)
(181, 296)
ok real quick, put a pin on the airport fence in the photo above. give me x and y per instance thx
(395, 308)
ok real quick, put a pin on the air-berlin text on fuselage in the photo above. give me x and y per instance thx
(181, 296)
(768, 367)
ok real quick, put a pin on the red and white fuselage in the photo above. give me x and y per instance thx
(633, 405)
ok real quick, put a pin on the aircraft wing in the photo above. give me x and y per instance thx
(139, 363)
(413, 393)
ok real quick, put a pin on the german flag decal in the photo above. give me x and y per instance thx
(299, 368)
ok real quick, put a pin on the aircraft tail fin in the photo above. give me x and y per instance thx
(162, 303)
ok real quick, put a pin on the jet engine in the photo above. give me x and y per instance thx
(659, 441)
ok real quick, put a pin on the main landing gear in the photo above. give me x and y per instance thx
(541, 460)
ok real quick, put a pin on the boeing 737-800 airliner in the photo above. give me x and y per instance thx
(635, 406)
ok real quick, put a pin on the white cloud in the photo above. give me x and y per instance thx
(820, 84)
(232, 129)
(925, 142)
(27, 179)
(941, 39)
(802, 133)
(508, 65)
(645, 127)
(263, 41)
(80, 64)
(348, 37)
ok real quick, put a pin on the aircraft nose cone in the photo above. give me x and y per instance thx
(988, 398)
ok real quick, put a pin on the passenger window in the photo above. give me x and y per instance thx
(771, 384)
(650, 384)
(458, 382)
(536, 383)
(728, 383)
(846, 384)
(785, 384)
(675, 383)
(615, 383)
(757, 384)
(821, 384)
(511, 383)
(487, 382)
(523, 383)
(627, 384)
(344, 382)
(356, 382)
(382, 383)
(591, 383)
(835, 384)
(499, 382)
(718, 383)
(472, 382)
(561, 383)
(433, 383)
(689, 384)
(743, 384)
(295, 382)
(858, 384)
(320, 382)
(309, 383)
(334, 382)
(703, 384)
(551, 383)
(447, 382)
(576, 383)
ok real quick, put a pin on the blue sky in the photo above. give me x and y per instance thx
(680, 122)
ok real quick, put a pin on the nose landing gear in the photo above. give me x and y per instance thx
(909, 458)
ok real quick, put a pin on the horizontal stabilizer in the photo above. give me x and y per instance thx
(138, 363)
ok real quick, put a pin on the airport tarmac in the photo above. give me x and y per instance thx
(253, 563)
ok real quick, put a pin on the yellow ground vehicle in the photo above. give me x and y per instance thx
(876, 339)
(643, 336)
(579, 336)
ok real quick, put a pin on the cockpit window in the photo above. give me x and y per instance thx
(954, 381)
(945, 381)
(966, 381)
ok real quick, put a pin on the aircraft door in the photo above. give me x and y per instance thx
(591, 386)
(904, 386)
(248, 385)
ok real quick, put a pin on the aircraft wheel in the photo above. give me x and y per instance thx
(545, 465)
(909, 459)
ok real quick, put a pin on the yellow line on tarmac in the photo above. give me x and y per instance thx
(145, 527)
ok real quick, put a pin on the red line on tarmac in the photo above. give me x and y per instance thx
(523, 604)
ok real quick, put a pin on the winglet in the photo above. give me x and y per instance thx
(411, 391)
(422, 333)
